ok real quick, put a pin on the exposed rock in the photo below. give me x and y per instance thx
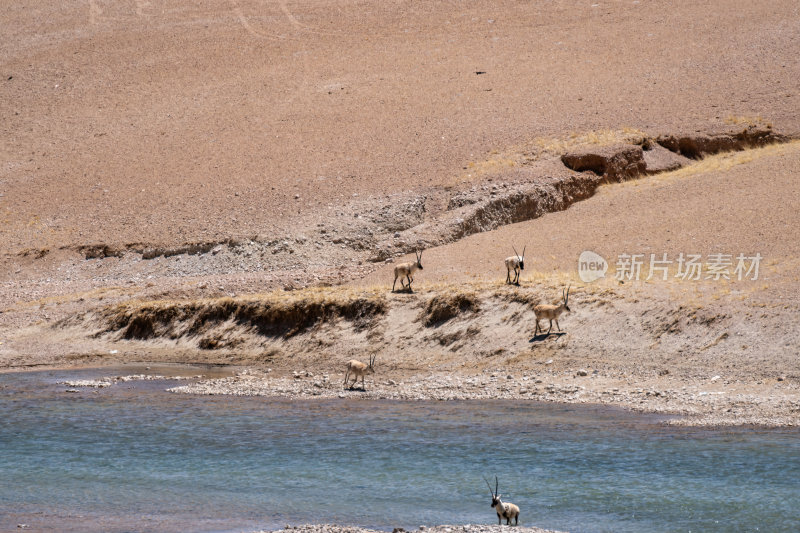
(699, 144)
(189, 249)
(659, 159)
(94, 251)
(618, 162)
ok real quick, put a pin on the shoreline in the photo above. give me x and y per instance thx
(714, 404)
(697, 405)
(683, 402)
(465, 528)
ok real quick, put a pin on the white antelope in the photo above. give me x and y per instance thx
(404, 270)
(503, 509)
(551, 312)
(516, 263)
(359, 369)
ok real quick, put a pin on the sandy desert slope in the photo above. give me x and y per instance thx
(173, 122)
(738, 203)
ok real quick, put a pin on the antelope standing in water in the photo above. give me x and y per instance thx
(359, 369)
(404, 270)
(503, 509)
(516, 263)
(551, 312)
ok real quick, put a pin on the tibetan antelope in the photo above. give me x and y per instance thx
(359, 369)
(551, 312)
(516, 263)
(503, 509)
(404, 270)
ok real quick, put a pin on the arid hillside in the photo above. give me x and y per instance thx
(732, 203)
(146, 124)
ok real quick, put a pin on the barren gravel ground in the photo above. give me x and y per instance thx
(173, 122)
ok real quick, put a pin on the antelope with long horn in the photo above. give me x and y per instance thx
(404, 270)
(516, 263)
(551, 312)
(359, 369)
(503, 509)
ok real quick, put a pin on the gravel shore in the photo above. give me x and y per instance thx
(469, 528)
(713, 403)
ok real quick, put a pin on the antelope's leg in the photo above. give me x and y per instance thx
(537, 328)
(346, 375)
(551, 326)
(410, 279)
(395, 282)
(508, 275)
(559, 327)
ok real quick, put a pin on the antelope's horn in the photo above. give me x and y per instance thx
(490, 487)
(496, 485)
(523, 250)
(515, 250)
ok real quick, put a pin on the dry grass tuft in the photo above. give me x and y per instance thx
(443, 307)
(757, 120)
(546, 147)
(557, 146)
(272, 315)
(721, 162)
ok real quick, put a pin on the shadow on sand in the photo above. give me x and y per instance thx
(406, 290)
(543, 336)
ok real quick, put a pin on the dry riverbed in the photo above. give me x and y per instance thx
(714, 402)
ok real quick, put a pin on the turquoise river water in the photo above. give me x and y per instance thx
(133, 457)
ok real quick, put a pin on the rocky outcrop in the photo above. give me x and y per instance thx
(95, 251)
(659, 159)
(506, 205)
(614, 163)
(696, 145)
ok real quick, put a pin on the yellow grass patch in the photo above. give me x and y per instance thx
(544, 147)
(747, 120)
(273, 314)
(557, 146)
(721, 162)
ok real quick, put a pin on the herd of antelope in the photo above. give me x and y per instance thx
(404, 272)
(514, 264)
